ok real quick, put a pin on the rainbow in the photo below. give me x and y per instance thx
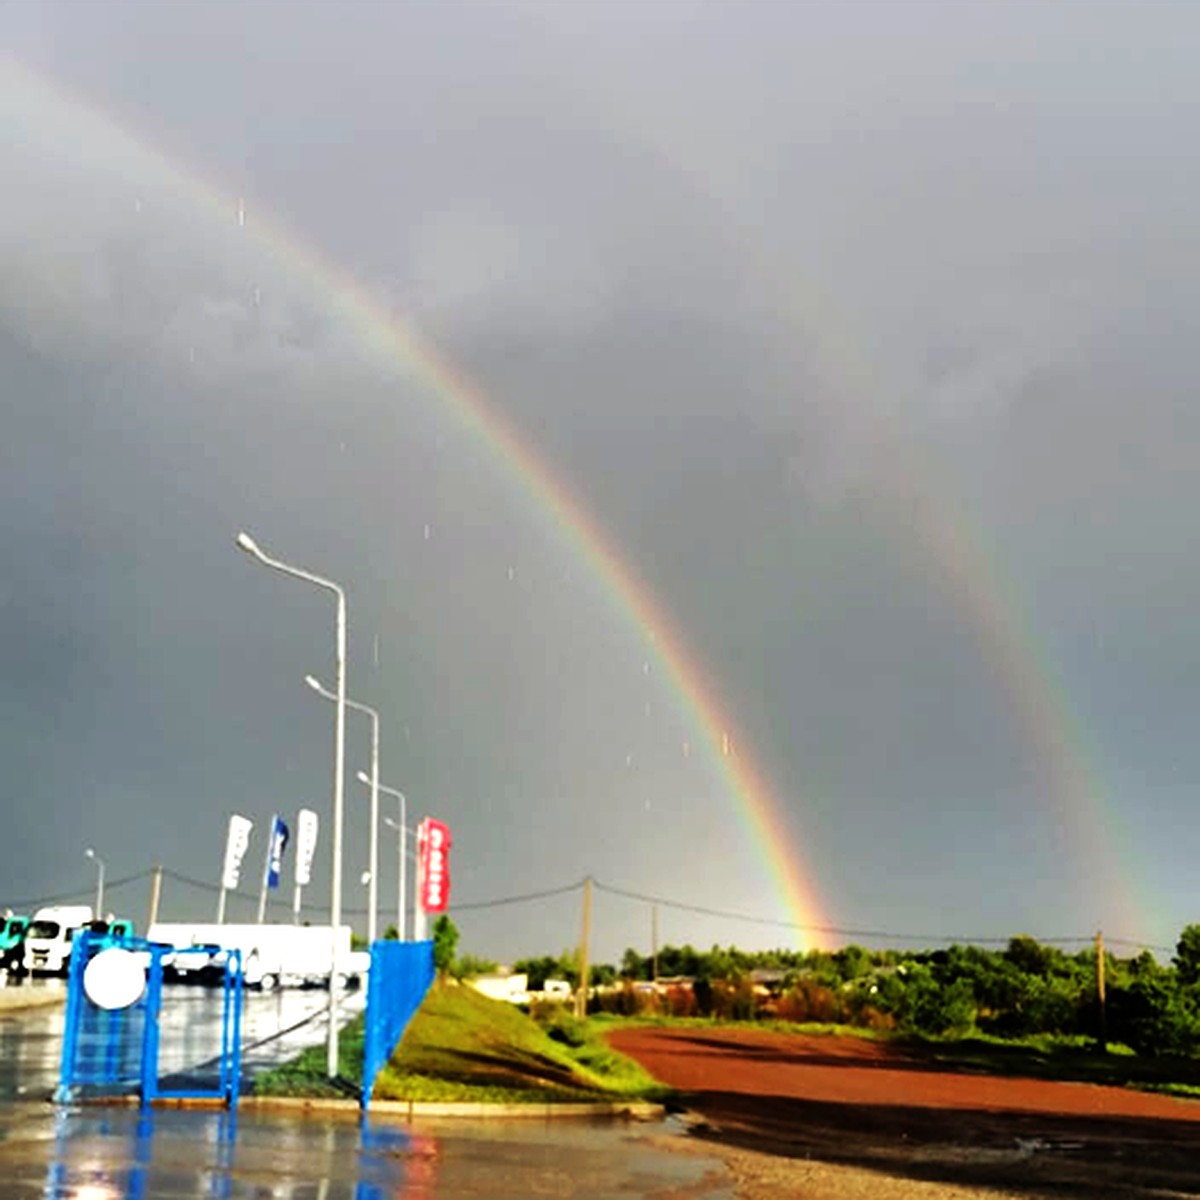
(100, 141)
(969, 572)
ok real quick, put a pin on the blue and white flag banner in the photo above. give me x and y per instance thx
(236, 844)
(306, 845)
(279, 841)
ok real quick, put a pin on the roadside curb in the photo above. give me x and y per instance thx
(411, 1110)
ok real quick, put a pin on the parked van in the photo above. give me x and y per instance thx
(272, 955)
(50, 935)
(12, 942)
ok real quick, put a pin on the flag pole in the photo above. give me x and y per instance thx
(262, 893)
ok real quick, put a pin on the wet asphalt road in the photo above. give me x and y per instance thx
(275, 1027)
(106, 1153)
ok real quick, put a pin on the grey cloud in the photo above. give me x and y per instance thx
(763, 285)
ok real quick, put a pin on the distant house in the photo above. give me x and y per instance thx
(513, 989)
(767, 981)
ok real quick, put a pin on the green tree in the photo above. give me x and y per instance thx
(445, 943)
(1152, 1016)
(1187, 955)
(633, 965)
(1028, 955)
(602, 975)
(852, 962)
(537, 970)
(471, 966)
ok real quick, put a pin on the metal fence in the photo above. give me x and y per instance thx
(109, 1051)
(401, 973)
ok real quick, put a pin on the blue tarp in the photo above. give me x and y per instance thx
(401, 973)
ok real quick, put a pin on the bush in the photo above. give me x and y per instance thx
(567, 1029)
(809, 1000)
(1153, 1016)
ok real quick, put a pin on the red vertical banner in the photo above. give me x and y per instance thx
(433, 845)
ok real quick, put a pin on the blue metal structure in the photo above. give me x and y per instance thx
(400, 975)
(118, 1051)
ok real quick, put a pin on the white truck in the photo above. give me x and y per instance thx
(50, 935)
(272, 955)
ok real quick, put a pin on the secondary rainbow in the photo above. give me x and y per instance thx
(101, 141)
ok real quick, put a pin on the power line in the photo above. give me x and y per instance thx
(643, 898)
(839, 931)
(503, 900)
(474, 905)
(110, 885)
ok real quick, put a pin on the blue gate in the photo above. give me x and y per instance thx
(400, 975)
(117, 1051)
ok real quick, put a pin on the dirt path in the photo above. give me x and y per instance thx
(828, 1102)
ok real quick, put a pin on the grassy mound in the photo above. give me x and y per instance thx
(462, 1046)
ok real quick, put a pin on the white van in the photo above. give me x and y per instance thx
(272, 955)
(50, 935)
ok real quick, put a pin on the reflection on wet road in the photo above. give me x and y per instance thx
(275, 1027)
(104, 1153)
(30, 1048)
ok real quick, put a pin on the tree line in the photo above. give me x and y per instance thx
(1027, 988)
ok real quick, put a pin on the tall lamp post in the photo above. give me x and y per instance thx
(372, 886)
(248, 544)
(90, 853)
(373, 782)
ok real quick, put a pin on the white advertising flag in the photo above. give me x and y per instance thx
(235, 849)
(306, 845)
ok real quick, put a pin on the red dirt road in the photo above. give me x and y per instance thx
(871, 1104)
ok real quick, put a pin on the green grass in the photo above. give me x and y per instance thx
(305, 1075)
(1075, 1059)
(462, 1046)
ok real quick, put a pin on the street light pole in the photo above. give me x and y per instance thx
(248, 544)
(90, 853)
(373, 782)
(372, 885)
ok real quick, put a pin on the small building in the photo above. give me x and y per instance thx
(511, 988)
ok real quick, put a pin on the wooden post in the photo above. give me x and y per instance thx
(1103, 1022)
(155, 897)
(654, 943)
(581, 998)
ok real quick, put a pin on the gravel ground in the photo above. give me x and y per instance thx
(841, 1117)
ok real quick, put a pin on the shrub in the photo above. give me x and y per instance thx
(568, 1029)
(809, 1000)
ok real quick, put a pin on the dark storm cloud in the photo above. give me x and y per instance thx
(724, 266)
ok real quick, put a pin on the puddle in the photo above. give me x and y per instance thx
(110, 1153)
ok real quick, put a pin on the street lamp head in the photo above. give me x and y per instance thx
(363, 777)
(314, 683)
(89, 853)
(247, 543)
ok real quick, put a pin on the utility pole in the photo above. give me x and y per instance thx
(654, 943)
(1100, 990)
(581, 998)
(155, 896)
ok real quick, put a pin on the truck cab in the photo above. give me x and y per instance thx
(50, 935)
(110, 931)
(12, 942)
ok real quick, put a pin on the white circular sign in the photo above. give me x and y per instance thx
(115, 978)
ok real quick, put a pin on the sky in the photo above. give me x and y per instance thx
(845, 354)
